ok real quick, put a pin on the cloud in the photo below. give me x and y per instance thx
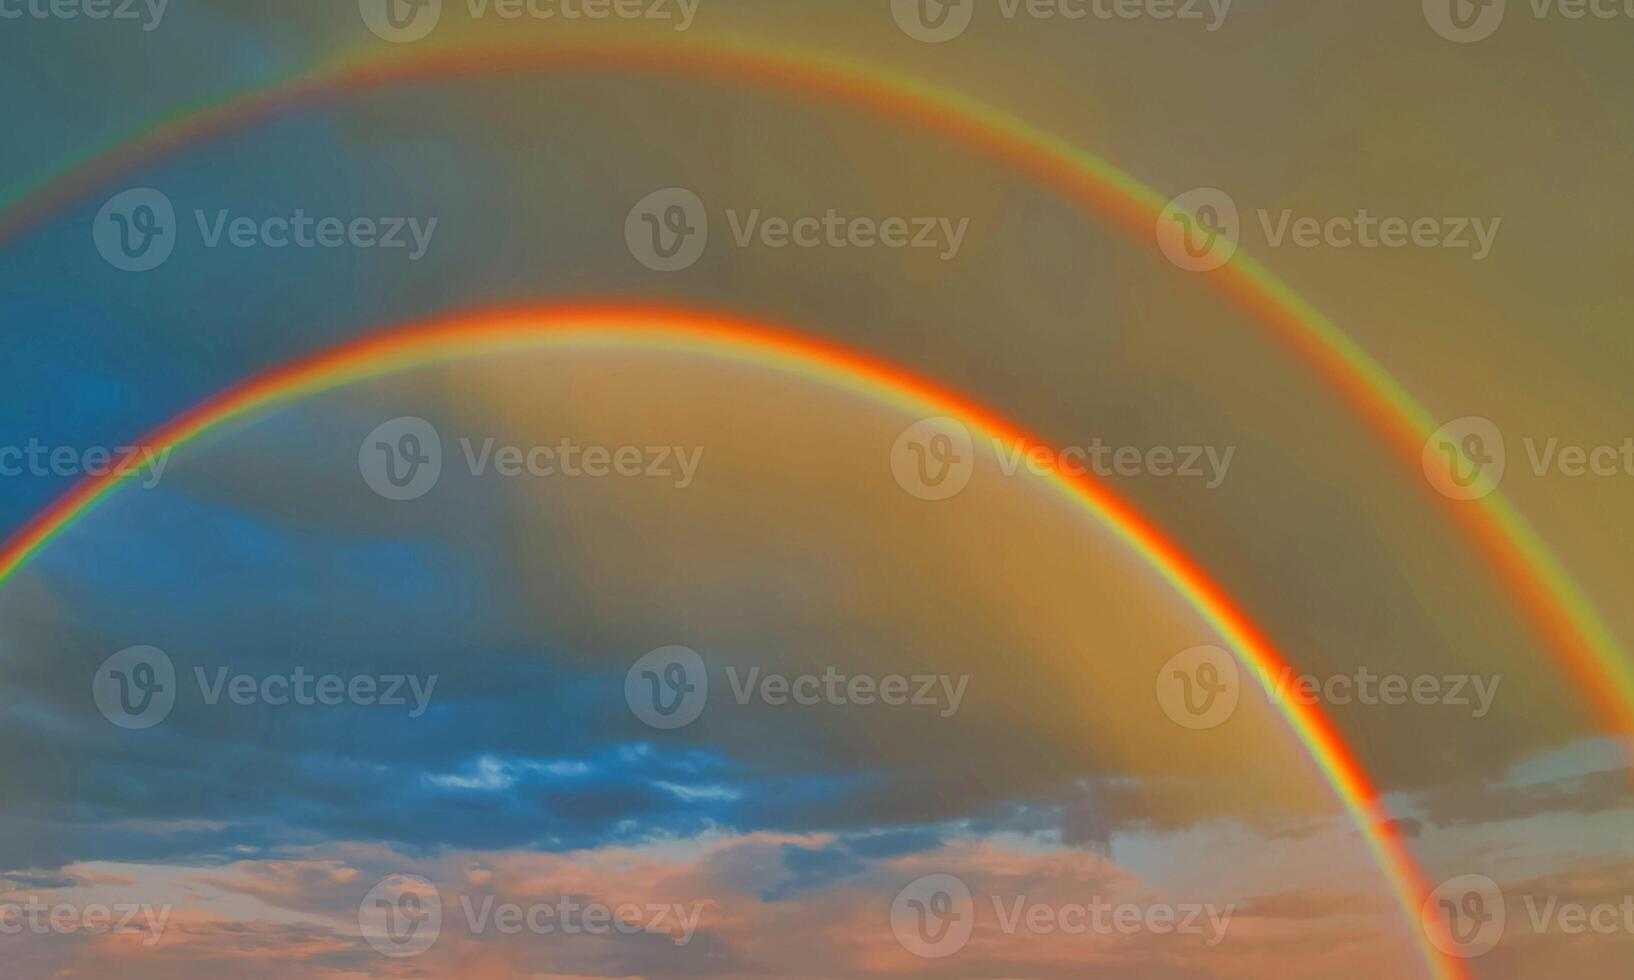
(302, 916)
(1473, 803)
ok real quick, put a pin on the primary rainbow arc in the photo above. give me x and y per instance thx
(609, 326)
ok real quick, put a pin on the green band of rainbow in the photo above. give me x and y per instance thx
(1537, 581)
(717, 336)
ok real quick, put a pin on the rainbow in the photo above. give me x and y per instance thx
(613, 327)
(1556, 606)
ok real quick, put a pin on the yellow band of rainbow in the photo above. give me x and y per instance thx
(718, 336)
(1533, 577)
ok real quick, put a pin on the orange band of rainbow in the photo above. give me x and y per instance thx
(1534, 578)
(713, 335)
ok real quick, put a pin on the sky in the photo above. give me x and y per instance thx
(298, 717)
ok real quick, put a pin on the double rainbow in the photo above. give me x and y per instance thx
(1554, 603)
